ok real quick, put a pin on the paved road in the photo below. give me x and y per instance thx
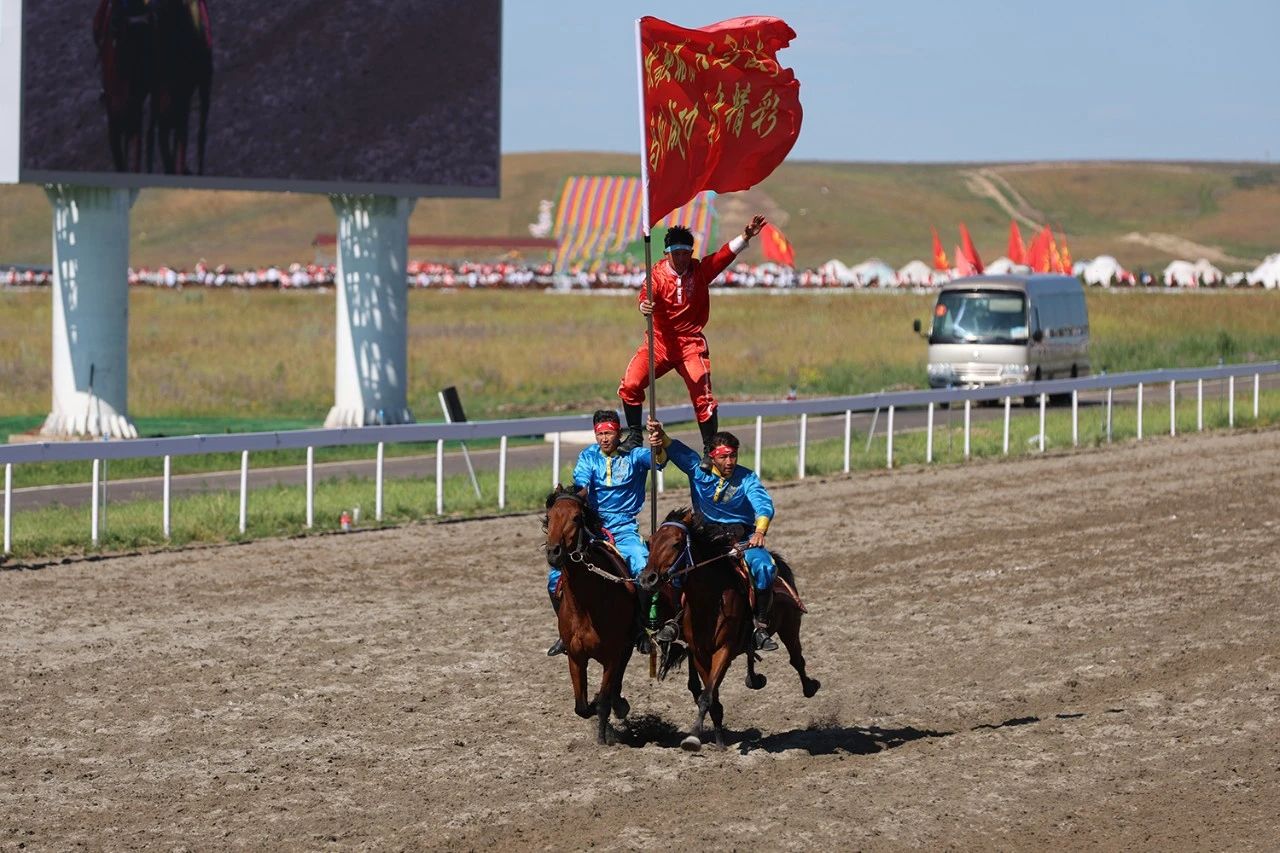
(540, 456)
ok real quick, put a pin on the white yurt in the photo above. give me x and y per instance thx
(874, 269)
(1267, 273)
(1179, 274)
(1207, 272)
(1004, 266)
(915, 273)
(1103, 270)
(835, 268)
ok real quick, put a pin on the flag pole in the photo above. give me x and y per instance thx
(648, 279)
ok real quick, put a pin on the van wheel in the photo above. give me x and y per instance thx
(1063, 399)
(1032, 400)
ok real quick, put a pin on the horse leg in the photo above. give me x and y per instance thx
(202, 130)
(578, 677)
(789, 633)
(702, 695)
(114, 137)
(621, 707)
(755, 680)
(719, 666)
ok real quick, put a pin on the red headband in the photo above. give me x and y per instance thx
(722, 450)
(608, 426)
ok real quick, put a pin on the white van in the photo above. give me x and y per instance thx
(1004, 329)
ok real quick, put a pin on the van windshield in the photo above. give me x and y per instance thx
(979, 317)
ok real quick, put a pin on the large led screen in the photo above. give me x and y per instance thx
(386, 96)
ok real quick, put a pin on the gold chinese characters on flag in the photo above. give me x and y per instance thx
(720, 113)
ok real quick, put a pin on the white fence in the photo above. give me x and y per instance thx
(379, 436)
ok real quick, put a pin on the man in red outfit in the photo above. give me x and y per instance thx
(679, 306)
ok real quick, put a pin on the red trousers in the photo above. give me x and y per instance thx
(688, 356)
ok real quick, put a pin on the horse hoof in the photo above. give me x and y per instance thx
(811, 687)
(691, 744)
(621, 707)
(586, 712)
(757, 681)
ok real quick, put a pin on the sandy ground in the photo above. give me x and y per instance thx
(1076, 651)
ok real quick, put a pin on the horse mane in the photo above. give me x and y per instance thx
(594, 522)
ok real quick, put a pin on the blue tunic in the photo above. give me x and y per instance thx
(616, 490)
(738, 499)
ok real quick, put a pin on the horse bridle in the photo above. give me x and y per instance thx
(684, 563)
(585, 539)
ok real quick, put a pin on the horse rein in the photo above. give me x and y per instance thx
(673, 572)
(585, 539)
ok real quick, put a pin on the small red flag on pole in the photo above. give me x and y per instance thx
(939, 255)
(970, 253)
(1017, 252)
(776, 247)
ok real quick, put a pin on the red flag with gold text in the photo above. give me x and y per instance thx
(939, 254)
(719, 112)
(776, 247)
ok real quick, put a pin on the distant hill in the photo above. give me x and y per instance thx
(1144, 213)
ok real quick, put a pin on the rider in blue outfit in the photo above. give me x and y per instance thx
(731, 496)
(616, 482)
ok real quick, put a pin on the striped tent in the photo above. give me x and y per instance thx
(600, 215)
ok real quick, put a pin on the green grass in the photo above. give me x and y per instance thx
(281, 510)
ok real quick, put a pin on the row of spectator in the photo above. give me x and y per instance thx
(425, 274)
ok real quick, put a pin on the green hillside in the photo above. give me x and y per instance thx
(1143, 213)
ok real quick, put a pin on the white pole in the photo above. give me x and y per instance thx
(928, 438)
(1109, 390)
(804, 432)
(1075, 417)
(662, 486)
(1007, 402)
(1173, 409)
(1199, 405)
(1231, 401)
(502, 473)
(966, 429)
(1257, 380)
(440, 477)
(759, 439)
(167, 509)
(93, 511)
(244, 489)
(555, 461)
(1139, 411)
(1043, 401)
(8, 508)
(377, 485)
(889, 440)
(311, 487)
(849, 429)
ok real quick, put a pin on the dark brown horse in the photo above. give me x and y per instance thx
(122, 30)
(717, 619)
(597, 604)
(183, 69)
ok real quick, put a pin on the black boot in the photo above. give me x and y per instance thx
(708, 428)
(635, 428)
(669, 631)
(764, 605)
(557, 648)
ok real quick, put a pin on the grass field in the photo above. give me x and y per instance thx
(209, 361)
(829, 210)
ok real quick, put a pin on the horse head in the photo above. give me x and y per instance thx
(669, 547)
(567, 523)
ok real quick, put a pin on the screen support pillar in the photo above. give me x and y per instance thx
(371, 347)
(90, 344)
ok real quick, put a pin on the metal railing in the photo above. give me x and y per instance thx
(379, 436)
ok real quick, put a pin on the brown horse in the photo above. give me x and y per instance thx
(717, 619)
(597, 606)
(126, 52)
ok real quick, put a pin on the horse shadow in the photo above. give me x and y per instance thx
(643, 730)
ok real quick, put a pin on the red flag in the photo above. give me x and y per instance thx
(1066, 255)
(970, 253)
(1017, 252)
(1038, 251)
(964, 266)
(720, 113)
(776, 247)
(939, 256)
(1055, 259)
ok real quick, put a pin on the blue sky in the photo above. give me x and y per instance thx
(934, 81)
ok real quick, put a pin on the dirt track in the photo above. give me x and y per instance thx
(1079, 651)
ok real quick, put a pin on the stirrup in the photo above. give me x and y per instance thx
(557, 648)
(634, 439)
(765, 643)
(668, 632)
